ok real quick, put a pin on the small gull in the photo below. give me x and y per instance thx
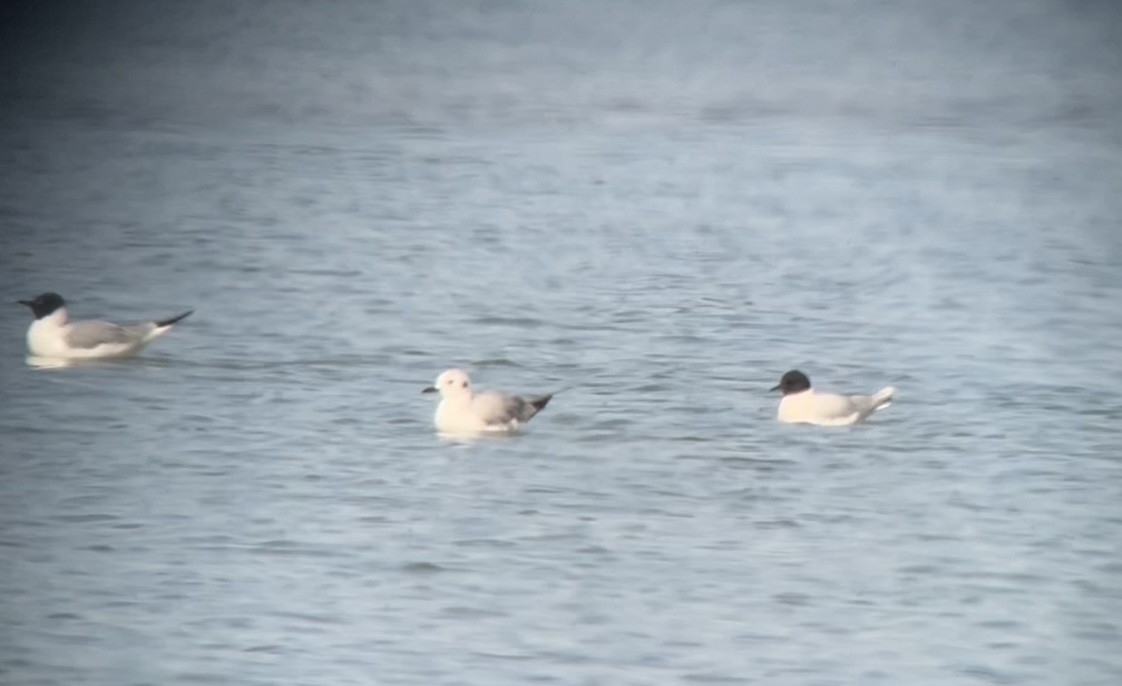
(53, 337)
(463, 411)
(801, 404)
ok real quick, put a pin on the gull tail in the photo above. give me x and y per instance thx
(164, 323)
(539, 402)
(883, 397)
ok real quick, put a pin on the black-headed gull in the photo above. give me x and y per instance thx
(52, 336)
(802, 404)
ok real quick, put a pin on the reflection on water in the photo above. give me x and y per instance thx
(51, 362)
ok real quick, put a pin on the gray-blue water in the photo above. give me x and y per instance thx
(662, 204)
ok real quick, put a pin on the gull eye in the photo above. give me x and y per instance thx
(464, 384)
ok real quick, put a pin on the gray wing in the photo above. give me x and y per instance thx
(92, 334)
(860, 403)
(830, 407)
(871, 403)
(501, 408)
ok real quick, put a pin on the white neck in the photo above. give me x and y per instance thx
(56, 318)
(459, 395)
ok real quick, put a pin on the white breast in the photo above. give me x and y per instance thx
(824, 409)
(44, 339)
(456, 415)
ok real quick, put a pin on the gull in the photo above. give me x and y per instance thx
(463, 411)
(53, 337)
(801, 404)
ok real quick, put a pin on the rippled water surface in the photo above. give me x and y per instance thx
(662, 205)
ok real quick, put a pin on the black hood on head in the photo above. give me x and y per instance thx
(45, 304)
(793, 381)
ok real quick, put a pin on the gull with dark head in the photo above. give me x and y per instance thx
(464, 411)
(802, 404)
(52, 336)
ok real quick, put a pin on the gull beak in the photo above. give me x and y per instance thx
(430, 389)
(776, 387)
(26, 303)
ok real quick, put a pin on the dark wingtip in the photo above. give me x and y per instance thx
(539, 403)
(172, 320)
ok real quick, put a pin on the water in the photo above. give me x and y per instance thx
(666, 205)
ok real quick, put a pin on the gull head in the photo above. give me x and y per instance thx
(793, 381)
(45, 304)
(451, 383)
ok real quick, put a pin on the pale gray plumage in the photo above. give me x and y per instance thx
(90, 334)
(52, 336)
(496, 408)
(803, 404)
(462, 411)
